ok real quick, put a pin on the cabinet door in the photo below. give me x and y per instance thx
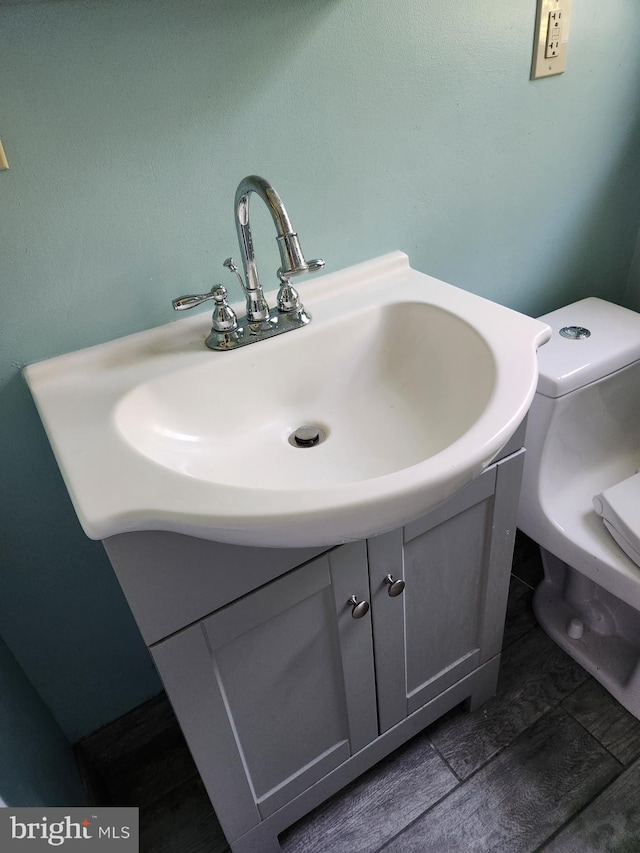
(276, 689)
(456, 563)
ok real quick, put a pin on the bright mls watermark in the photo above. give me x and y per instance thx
(111, 830)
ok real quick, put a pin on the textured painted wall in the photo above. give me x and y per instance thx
(633, 292)
(408, 125)
(36, 763)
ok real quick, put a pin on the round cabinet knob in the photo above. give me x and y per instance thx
(359, 608)
(394, 587)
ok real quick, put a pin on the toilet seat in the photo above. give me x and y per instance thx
(619, 507)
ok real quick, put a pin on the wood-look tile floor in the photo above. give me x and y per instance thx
(551, 763)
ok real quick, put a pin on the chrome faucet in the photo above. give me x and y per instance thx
(227, 332)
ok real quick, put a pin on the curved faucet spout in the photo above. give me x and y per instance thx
(229, 331)
(291, 257)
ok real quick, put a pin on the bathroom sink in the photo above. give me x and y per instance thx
(362, 380)
(412, 386)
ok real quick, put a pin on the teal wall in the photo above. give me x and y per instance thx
(36, 763)
(384, 124)
(633, 295)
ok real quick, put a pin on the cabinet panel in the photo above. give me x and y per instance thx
(292, 691)
(171, 580)
(444, 575)
(455, 563)
(284, 691)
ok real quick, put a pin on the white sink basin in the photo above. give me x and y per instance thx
(361, 379)
(415, 384)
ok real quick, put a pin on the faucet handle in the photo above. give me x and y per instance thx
(182, 303)
(302, 268)
(224, 318)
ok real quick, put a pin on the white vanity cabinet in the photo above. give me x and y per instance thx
(282, 694)
(277, 689)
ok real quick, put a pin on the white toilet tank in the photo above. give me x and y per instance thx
(583, 436)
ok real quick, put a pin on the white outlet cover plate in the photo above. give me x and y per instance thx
(543, 66)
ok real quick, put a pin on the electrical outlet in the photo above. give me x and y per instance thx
(552, 34)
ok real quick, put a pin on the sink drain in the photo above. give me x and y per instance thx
(307, 436)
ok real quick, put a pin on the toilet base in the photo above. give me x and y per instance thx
(598, 630)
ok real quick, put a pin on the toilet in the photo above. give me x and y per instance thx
(580, 497)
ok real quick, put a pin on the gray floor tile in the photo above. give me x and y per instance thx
(128, 734)
(181, 822)
(535, 675)
(606, 719)
(520, 618)
(530, 569)
(610, 824)
(151, 773)
(140, 756)
(517, 801)
(524, 548)
(377, 806)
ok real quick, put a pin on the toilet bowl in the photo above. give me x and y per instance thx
(580, 497)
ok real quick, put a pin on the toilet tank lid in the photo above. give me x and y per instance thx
(566, 364)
